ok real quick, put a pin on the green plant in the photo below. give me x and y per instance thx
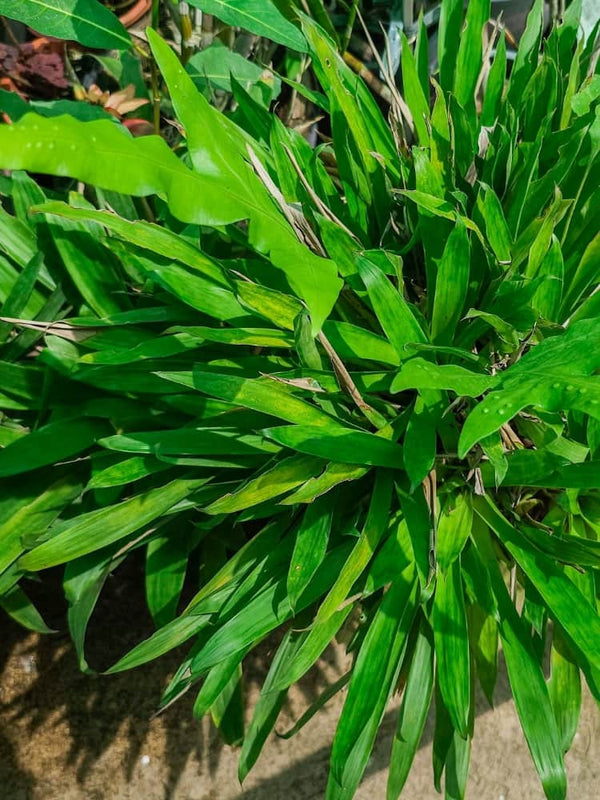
(363, 376)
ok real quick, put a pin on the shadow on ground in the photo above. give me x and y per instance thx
(42, 688)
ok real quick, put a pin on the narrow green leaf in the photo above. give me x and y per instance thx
(262, 395)
(470, 49)
(339, 444)
(527, 54)
(495, 84)
(452, 646)
(96, 529)
(227, 711)
(354, 343)
(82, 583)
(215, 682)
(392, 310)
(453, 530)
(527, 683)
(564, 600)
(496, 227)
(373, 681)
(413, 712)
(451, 286)
(364, 549)
(16, 603)
(283, 477)
(420, 440)
(413, 93)
(564, 687)
(166, 565)
(451, 14)
(310, 546)
(332, 476)
(143, 234)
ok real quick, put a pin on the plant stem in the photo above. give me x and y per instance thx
(349, 25)
(154, 73)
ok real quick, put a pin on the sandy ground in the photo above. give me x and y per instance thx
(67, 736)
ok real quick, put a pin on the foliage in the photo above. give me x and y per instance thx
(362, 377)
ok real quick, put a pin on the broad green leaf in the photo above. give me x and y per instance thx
(257, 16)
(54, 442)
(420, 374)
(215, 65)
(413, 712)
(96, 529)
(373, 681)
(339, 444)
(310, 547)
(452, 646)
(219, 152)
(146, 166)
(354, 343)
(554, 375)
(85, 21)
